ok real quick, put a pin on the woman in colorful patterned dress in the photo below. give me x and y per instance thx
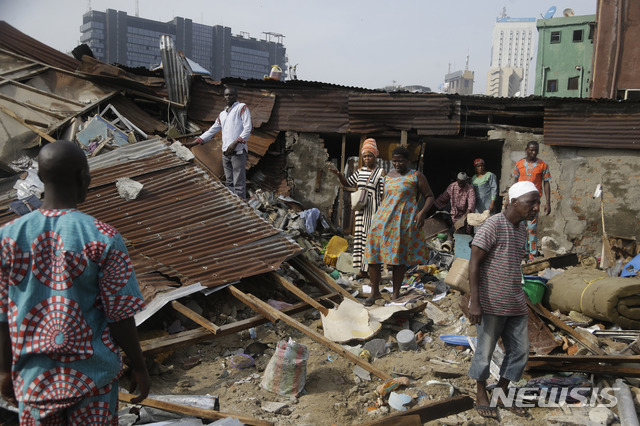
(370, 178)
(396, 236)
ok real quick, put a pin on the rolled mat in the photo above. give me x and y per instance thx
(596, 295)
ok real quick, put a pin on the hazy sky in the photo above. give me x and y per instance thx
(363, 43)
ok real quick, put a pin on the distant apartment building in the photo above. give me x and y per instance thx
(512, 56)
(460, 82)
(504, 82)
(565, 54)
(115, 37)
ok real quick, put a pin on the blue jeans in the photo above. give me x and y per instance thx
(235, 173)
(515, 338)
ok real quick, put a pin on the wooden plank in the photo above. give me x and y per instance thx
(318, 276)
(340, 188)
(192, 411)
(611, 359)
(561, 324)
(403, 138)
(199, 319)
(295, 290)
(268, 311)
(191, 337)
(585, 367)
(431, 411)
(27, 125)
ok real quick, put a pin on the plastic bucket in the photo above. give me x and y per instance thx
(534, 288)
(406, 340)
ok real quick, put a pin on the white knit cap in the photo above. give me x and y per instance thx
(518, 189)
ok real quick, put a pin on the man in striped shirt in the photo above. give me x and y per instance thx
(497, 302)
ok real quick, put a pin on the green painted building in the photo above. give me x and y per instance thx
(565, 52)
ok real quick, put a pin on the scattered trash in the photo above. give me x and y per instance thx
(286, 372)
(128, 189)
(406, 340)
(241, 361)
(398, 401)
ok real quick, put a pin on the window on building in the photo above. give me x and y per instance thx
(572, 83)
(592, 28)
(555, 36)
(577, 36)
(552, 85)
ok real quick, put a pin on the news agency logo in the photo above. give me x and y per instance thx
(552, 397)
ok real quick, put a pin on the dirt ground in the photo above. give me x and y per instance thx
(334, 394)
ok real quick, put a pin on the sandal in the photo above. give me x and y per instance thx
(518, 411)
(489, 412)
(369, 301)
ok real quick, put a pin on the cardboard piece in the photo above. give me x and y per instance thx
(458, 276)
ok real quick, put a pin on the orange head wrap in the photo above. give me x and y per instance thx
(371, 146)
(478, 161)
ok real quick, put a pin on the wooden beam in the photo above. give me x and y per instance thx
(585, 367)
(611, 359)
(191, 337)
(27, 125)
(192, 411)
(199, 319)
(340, 188)
(404, 138)
(317, 276)
(431, 411)
(270, 312)
(295, 290)
(561, 324)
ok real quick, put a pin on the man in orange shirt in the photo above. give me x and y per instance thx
(534, 170)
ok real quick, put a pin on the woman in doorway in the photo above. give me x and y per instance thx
(396, 236)
(369, 178)
(485, 185)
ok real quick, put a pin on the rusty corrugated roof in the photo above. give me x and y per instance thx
(596, 125)
(35, 97)
(207, 101)
(185, 227)
(428, 114)
(18, 42)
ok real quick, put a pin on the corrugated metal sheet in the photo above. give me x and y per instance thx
(16, 41)
(45, 99)
(596, 126)
(138, 116)
(187, 222)
(315, 111)
(184, 227)
(428, 114)
(207, 101)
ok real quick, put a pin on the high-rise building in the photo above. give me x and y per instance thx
(460, 82)
(565, 54)
(115, 37)
(513, 46)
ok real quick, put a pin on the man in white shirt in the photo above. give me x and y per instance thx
(235, 123)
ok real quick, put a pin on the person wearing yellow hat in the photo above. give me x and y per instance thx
(369, 178)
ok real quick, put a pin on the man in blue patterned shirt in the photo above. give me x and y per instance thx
(68, 295)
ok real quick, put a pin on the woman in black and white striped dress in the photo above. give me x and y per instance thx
(369, 177)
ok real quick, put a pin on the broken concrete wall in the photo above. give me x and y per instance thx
(313, 184)
(575, 220)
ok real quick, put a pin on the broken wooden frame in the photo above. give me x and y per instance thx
(544, 312)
